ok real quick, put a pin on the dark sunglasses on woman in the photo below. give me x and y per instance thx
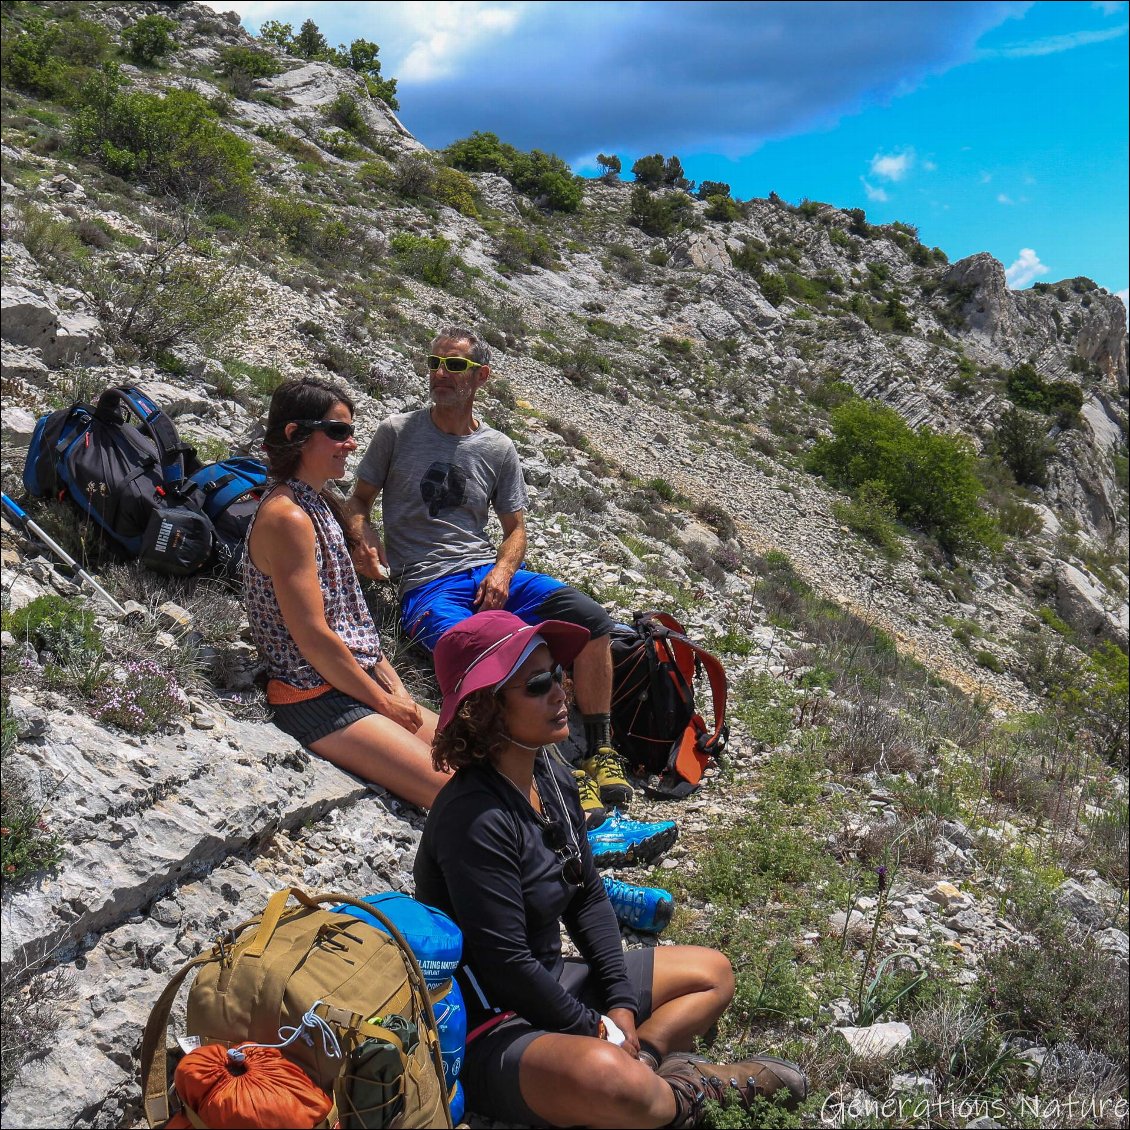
(337, 430)
(557, 841)
(540, 684)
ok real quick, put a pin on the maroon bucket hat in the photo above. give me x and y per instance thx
(482, 650)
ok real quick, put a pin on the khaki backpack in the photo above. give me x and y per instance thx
(339, 980)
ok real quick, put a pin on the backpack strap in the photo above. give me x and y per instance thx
(156, 423)
(686, 654)
(154, 1053)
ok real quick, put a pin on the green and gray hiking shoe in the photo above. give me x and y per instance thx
(606, 769)
(591, 804)
(694, 1080)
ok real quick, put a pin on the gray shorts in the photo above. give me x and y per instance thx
(316, 718)
(490, 1065)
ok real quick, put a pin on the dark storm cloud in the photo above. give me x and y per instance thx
(694, 76)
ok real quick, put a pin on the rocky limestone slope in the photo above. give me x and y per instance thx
(626, 358)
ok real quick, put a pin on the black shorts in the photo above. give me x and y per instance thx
(490, 1065)
(319, 717)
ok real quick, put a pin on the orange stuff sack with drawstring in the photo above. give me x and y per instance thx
(262, 1090)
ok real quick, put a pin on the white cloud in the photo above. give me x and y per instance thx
(1025, 270)
(1003, 199)
(985, 178)
(1054, 44)
(930, 166)
(1110, 7)
(892, 166)
(874, 193)
(447, 33)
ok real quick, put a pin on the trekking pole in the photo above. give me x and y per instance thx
(37, 531)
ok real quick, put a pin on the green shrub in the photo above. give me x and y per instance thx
(542, 176)
(51, 59)
(149, 39)
(931, 478)
(170, 297)
(482, 152)
(171, 141)
(659, 215)
(517, 248)
(1027, 389)
(871, 514)
(546, 179)
(1061, 989)
(774, 287)
(456, 190)
(62, 630)
(430, 260)
(722, 209)
(27, 844)
(1021, 440)
(250, 60)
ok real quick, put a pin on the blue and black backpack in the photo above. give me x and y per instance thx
(147, 494)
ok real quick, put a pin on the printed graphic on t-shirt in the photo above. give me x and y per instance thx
(443, 487)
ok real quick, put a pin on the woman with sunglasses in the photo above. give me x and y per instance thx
(600, 1041)
(329, 683)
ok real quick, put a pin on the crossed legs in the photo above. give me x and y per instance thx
(582, 1081)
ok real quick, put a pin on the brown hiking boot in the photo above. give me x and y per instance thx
(694, 1080)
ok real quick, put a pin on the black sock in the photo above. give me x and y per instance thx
(598, 732)
(652, 1051)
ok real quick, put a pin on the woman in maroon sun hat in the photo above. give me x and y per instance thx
(599, 1041)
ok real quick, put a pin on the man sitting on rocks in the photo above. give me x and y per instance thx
(438, 471)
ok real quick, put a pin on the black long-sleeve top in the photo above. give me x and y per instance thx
(484, 859)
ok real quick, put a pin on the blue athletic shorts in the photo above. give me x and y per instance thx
(428, 611)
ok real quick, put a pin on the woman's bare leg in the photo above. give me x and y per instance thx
(582, 1081)
(690, 988)
(376, 748)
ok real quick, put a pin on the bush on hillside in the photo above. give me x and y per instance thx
(430, 260)
(542, 176)
(931, 478)
(149, 39)
(1022, 442)
(659, 215)
(1027, 389)
(52, 59)
(722, 209)
(171, 142)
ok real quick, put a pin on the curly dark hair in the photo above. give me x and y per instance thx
(475, 735)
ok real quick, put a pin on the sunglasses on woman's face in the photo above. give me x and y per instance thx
(337, 430)
(540, 684)
(556, 840)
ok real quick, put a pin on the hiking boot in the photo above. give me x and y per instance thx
(605, 768)
(694, 1080)
(646, 909)
(620, 841)
(591, 804)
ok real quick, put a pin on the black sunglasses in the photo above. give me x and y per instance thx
(556, 840)
(337, 430)
(541, 683)
(452, 364)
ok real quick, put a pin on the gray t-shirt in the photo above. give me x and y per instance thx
(436, 493)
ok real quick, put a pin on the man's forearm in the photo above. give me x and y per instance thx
(511, 552)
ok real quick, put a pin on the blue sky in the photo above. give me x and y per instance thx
(993, 126)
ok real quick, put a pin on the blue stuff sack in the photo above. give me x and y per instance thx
(451, 1021)
(435, 940)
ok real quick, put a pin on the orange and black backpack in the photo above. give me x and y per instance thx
(655, 725)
